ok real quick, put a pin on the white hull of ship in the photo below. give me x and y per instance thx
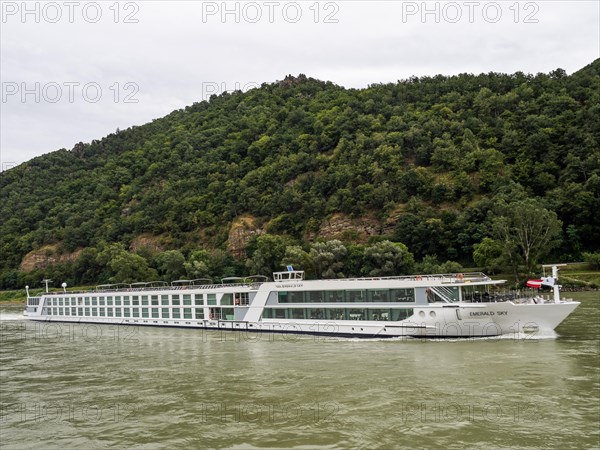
(458, 320)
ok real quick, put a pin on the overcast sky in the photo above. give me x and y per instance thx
(76, 71)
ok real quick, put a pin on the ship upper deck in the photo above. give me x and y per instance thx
(254, 282)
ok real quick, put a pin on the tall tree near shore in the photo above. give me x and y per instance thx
(527, 233)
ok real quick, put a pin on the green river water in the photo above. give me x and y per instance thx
(99, 386)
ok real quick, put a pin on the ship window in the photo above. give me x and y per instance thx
(401, 314)
(94, 301)
(118, 312)
(87, 301)
(297, 313)
(136, 312)
(102, 312)
(109, 312)
(356, 296)
(155, 312)
(378, 295)
(335, 296)
(109, 301)
(101, 301)
(211, 299)
(165, 313)
(80, 311)
(402, 295)
(334, 314)
(198, 299)
(241, 299)
(164, 300)
(315, 313)
(316, 296)
(227, 314)
(145, 312)
(293, 297)
(176, 313)
(95, 312)
(60, 312)
(227, 299)
(87, 311)
(126, 301)
(135, 301)
(378, 314)
(118, 300)
(175, 300)
(144, 300)
(187, 313)
(73, 301)
(126, 312)
(154, 300)
(60, 301)
(187, 299)
(356, 314)
(199, 313)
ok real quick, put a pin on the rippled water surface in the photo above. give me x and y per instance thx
(92, 386)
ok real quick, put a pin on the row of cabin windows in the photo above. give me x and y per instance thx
(349, 296)
(135, 300)
(337, 313)
(155, 313)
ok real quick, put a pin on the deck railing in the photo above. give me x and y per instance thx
(444, 278)
(161, 288)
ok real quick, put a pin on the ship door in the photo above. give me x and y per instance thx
(458, 316)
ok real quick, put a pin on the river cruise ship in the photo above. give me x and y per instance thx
(442, 305)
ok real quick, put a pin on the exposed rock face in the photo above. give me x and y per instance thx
(46, 256)
(242, 229)
(345, 228)
(152, 243)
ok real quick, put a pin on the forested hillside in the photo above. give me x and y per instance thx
(304, 171)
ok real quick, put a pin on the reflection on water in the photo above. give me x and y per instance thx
(80, 386)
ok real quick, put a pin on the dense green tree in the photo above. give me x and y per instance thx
(128, 268)
(388, 258)
(527, 232)
(267, 254)
(489, 255)
(430, 264)
(197, 265)
(170, 265)
(593, 259)
(298, 258)
(327, 259)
